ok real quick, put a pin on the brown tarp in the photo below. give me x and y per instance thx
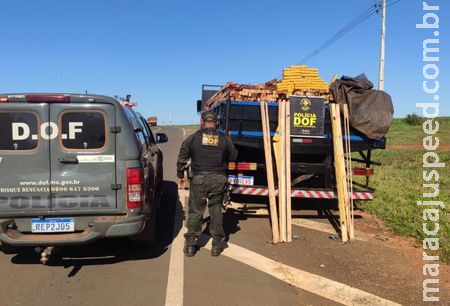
(371, 111)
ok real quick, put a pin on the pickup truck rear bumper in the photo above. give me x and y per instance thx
(101, 227)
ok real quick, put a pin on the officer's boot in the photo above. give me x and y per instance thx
(190, 248)
(217, 247)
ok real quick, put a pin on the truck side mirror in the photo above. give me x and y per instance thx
(199, 106)
(161, 138)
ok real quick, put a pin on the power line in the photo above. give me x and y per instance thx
(355, 22)
(351, 25)
(373, 8)
(390, 2)
(361, 16)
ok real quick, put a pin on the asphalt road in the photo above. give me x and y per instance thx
(312, 270)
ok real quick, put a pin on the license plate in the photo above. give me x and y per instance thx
(56, 225)
(241, 180)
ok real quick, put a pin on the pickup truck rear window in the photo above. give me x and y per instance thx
(18, 131)
(84, 130)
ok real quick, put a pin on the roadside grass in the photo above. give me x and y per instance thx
(402, 133)
(399, 183)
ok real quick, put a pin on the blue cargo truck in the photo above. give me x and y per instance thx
(312, 164)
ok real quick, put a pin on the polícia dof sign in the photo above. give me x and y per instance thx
(307, 116)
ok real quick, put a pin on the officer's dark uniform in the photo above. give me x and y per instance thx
(209, 152)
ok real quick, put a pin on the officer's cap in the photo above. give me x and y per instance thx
(209, 117)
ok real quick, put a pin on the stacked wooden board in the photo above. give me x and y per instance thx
(242, 92)
(343, 168)
(269, 170)
(297, 80)
(301, 80)
(281, 221)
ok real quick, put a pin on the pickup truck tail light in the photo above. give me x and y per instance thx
(135, 188)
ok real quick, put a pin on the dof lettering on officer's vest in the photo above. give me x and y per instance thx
(210, 140)
(305, 120)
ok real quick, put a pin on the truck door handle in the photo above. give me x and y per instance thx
(68, 160)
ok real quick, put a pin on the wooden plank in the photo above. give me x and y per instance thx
(277, 150)
(279, 158)
(282, 177)
(288, 173)
(349, 175)
(269, 171)
(339, 166)
(346, 185)
(345, 181)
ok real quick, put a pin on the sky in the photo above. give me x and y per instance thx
(161, 52)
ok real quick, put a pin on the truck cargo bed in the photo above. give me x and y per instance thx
(241, 120)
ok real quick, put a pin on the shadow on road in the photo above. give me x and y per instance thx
(301, 208)
(231, 219)
(111, 251)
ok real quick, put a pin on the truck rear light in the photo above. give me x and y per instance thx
(246, 166)
(242, 166)
(363, 171)
(3, 99)
(135, 188)
(47, 98)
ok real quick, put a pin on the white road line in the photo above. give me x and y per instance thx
(310, 282)
(175, 281)
(313, 283)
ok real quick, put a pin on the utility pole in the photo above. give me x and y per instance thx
(382, 47)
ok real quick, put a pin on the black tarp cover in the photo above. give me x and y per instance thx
(371, 111)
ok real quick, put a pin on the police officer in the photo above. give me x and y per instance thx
(209, 152)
